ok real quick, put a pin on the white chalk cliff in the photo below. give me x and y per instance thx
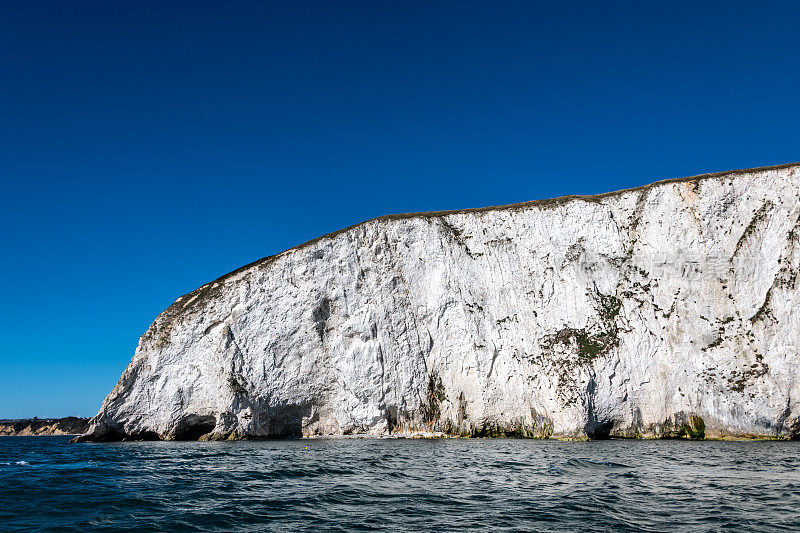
(672, 309)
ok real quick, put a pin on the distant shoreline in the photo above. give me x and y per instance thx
(43, 427)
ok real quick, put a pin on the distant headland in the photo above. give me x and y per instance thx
(39, 427)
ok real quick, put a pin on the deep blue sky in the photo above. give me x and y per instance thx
(147, 148)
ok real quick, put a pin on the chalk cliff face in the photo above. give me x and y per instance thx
(668, 310)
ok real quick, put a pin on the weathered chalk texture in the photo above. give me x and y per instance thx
(668, 310)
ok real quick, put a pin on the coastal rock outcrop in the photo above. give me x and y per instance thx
(664, 311)
(37, 427)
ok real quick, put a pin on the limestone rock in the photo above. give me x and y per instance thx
(656, 311)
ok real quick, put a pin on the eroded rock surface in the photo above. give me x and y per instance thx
(668, 310)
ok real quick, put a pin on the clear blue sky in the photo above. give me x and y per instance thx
(149, 147)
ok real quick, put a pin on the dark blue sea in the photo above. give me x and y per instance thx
(47, 484)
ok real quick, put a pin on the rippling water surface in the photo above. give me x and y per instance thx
(418, 485)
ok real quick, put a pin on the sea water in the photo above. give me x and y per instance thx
(399, 485)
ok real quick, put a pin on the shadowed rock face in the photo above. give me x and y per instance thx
(664, 311)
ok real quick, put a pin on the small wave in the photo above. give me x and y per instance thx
(22, 463)
(589, 463)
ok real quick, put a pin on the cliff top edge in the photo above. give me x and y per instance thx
(546, 202)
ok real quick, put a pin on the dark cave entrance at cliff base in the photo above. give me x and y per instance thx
(192, 427)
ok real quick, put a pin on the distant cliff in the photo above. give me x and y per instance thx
(70, 425)
(670, 310)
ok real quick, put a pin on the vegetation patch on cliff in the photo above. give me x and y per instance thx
(592, 342)
(692, 427)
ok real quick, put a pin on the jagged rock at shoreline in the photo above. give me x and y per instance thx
(34, 427)
(666, 310)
